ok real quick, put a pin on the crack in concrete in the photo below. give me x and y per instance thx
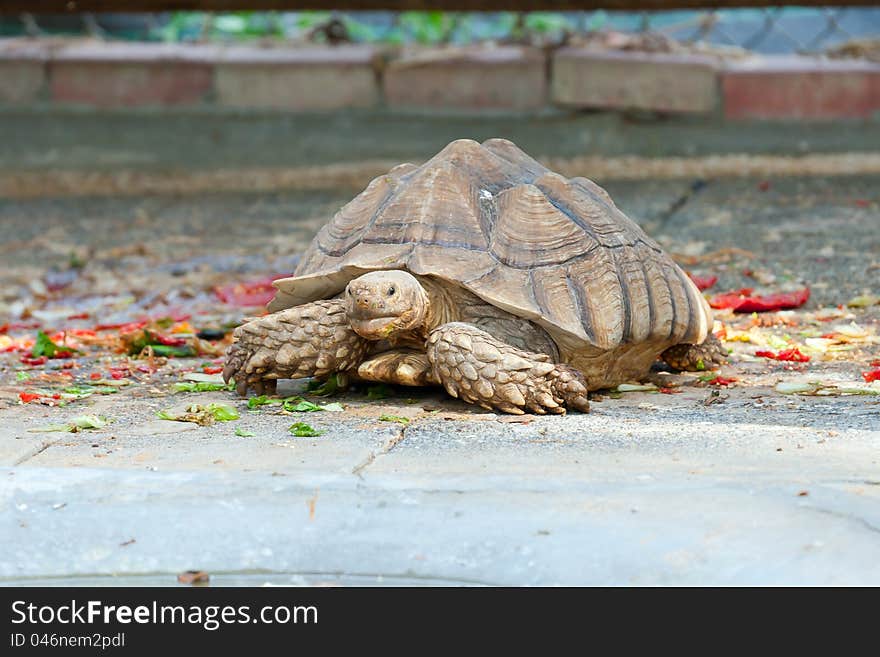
(846, 516)
(664, 217)
(390, 444)
(257, 572)
(35, 452)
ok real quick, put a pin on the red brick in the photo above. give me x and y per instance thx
(800, 88)
(300, 79)
(131, 74)
(624, 80)
(22, 71)
(499, 77)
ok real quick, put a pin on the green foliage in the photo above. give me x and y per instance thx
(427, 26)
(424, 27)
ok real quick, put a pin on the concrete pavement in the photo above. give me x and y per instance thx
(738, 486)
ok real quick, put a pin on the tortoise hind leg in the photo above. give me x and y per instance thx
(709, 355)
(480, 369)
(314, 339)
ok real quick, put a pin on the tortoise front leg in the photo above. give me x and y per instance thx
(480, 369)
(314, 339)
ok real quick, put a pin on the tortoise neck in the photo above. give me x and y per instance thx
(442, 308)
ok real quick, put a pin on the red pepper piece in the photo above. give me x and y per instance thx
(873, 375)
(741, 301)
(27, 360)
(792, 354)
(212, 370)
(253, 293)
(168, 341)
(28, 397)
(730, 299)
(722, 381)
(703, 282)
(125, 327)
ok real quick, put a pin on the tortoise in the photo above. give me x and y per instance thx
(511, 286)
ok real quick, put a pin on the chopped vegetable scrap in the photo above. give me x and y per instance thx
(863, 301)
(394, 418)
(703, 282)
(247, 295)
(742, 301)
(871, 376)
(201, 414)
(380, 391)
(44, 348)
(294, 404)
(792, 354)
(303, 430)
(326, 388)
(818, 388)
(636, 387)
(719, 380)
(76, 424)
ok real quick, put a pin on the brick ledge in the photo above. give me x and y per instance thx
(454, 79)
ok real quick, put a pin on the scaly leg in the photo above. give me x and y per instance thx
(399, 367)
(709, 355)
(314, 339)
(480, 369)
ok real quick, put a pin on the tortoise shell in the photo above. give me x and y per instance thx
(527, 240)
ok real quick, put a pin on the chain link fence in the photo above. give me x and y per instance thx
(778, 30)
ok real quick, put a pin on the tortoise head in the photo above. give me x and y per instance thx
(381, 304)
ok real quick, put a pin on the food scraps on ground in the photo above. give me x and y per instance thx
(394, 418)
(794, 355)
(742, 301)
(247, 295)
(303, 430)
(817, 388)
(703, 282)
(76, 424)
(201, 414)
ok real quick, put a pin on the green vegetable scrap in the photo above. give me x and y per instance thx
(325, 388)
(261, 400)
(76, 424)
(636, 387)
(300, 405)
(45, 347)
(202, 414)
(244, 433)
(380, 391)
(201, 386)
(303, 430)
(394, 418)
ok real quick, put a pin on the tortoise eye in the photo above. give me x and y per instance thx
(348, 289)
(390, 291)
